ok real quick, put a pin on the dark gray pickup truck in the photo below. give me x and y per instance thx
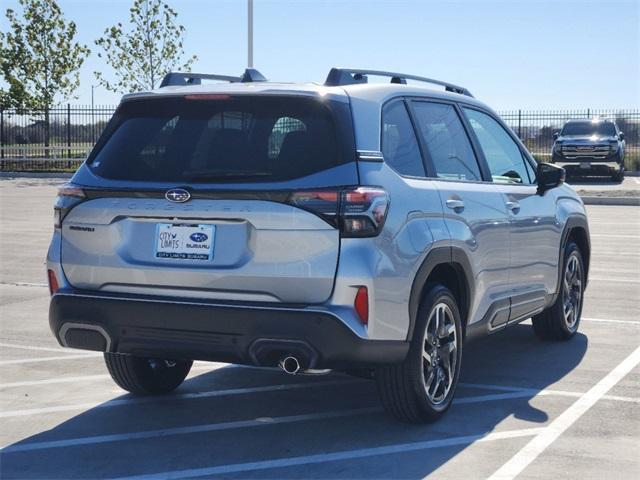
(590, 147)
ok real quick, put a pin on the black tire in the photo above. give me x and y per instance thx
(552, 324)
(403, 387)
(146, 376)
(618, 176)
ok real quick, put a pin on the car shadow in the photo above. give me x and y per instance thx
(249, 414)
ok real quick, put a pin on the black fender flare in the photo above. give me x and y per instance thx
(452, 256)
(573, 221)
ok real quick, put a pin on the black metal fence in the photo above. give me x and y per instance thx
(57, 139)
(536, 128)
(61, 138)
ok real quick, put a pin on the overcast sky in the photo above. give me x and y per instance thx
(519, 54)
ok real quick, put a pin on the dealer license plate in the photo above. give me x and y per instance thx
(185, 242)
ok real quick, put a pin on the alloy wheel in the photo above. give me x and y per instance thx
(439, 353)
(572, 292)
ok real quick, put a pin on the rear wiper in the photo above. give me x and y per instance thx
(224, 174)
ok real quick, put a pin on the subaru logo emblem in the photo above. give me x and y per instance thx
(178, 195)
(199, 237)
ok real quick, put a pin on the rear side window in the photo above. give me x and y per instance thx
(228, 139)
(399, 144)
(505, 160)
(447, 143)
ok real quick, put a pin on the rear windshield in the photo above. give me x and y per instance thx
(601, 129)
(218, 138)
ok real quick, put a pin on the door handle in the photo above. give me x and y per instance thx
(455, 204)
(513, 206)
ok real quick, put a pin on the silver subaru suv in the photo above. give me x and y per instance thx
(352, 225)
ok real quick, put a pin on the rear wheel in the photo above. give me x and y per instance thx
(561, 320)
(421, 388)
(146, 376)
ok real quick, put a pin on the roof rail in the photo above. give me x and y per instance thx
(188, 78)
(351, 76)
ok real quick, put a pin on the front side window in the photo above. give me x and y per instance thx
(446, 140)
(399, 144)
(502, 153)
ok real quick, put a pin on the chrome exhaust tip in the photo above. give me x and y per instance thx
(290, 365)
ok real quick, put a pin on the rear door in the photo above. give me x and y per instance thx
(474, 211)
(534, 232)
(192, 197)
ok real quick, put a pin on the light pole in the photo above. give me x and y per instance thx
(93, 121)
(250, 33)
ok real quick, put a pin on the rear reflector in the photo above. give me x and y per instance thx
(53, 282)
(361, 305)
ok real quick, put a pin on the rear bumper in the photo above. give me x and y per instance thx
(184, 329)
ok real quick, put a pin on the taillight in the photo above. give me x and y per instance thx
(363, 211)
(357, 212)
(53, 282)
(361, 305)
(69, 195)
(324, 203)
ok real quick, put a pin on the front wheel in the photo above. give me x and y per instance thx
(421, 388)
(618, 176)
(561, 320)
(146, 376)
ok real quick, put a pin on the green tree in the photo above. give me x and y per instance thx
(39, 58)
(146, 51)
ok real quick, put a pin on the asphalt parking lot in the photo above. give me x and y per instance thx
(630, 184)
(525, 407)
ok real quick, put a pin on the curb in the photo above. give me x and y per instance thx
(35, 175)
(622, 201)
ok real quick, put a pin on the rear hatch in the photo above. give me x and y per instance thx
(191, 196)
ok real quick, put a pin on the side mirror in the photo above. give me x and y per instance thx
(555, 135)
(621, 136)
(549, 176)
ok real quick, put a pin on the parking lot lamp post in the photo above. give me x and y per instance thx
(93, 122)
(249, 33)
